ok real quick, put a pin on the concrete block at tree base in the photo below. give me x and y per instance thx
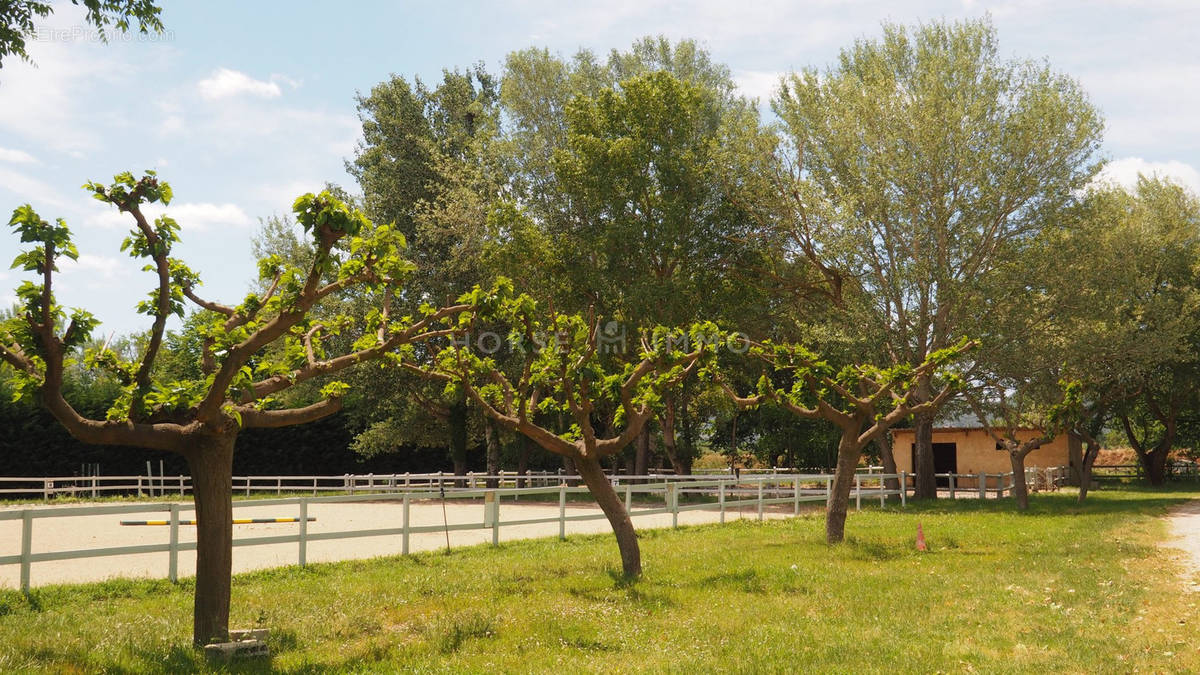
(242, 645)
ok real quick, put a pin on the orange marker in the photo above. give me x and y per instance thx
(920, 538)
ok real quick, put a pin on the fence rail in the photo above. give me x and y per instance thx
(710, 493)
(701, 492)
(1174, 470)
(47, 488)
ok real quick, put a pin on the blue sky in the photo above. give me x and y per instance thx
(243, 106)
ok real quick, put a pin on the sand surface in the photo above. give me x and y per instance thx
(1185, 535)
(87, 532)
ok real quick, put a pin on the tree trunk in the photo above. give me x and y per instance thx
(642, 452)
(210, 460)
(570, 469)
(884, 442)
(924, 479)
(493, 452)
(523, 458)
(687, 434)
(622, 525)
(457, 422)
(1085, 470)
(1075, 457)
(1020, 490)
(1155, 465)
(849, 452)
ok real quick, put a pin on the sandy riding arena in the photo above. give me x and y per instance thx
(105, 531)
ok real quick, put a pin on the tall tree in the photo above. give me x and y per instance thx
(937, 161)
(239, 375)
(626, 165)
(1155, 231)
(427, 163)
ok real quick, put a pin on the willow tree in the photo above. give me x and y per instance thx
(862, 401)
(251, 351)
(940, 160)
(567, 370)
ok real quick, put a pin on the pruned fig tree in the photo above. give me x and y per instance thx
(252, 351)
(565, 370)
(862, 401)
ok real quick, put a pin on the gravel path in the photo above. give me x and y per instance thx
(1185, 535)
(86, 532)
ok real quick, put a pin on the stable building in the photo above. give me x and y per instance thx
(971, 450)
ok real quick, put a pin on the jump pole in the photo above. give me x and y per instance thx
(236, 521)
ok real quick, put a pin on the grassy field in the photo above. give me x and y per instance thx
(1062, 588)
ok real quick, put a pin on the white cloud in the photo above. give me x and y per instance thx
(226, 83)
(280, 196)
(206, 216)
(97, 266)
(16, 156)
(171, 124)
(760, 84)
(25, 188)
(1125, 172)
(192, 217)
(51, 95)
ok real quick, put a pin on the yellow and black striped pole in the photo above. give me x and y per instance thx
(236, 521)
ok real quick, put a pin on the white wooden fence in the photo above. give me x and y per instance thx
(47, 488)
(706, 493)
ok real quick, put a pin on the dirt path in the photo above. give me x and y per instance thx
(1184, 522)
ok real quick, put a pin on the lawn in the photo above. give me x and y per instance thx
(1062, 588)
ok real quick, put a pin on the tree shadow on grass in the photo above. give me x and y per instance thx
(633, 591)
(1144, 499)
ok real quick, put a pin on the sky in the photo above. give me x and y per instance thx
(244, 106)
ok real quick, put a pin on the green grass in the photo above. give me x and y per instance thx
(1062, 588)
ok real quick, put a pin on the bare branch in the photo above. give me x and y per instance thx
(161, 310)
(254, 418)
(217, 307)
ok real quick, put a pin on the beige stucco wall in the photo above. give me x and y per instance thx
(977, 450)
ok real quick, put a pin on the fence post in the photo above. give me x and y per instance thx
(903, 489)
(303, 531)
(760, 499)
(629, 497)
(721, 497)
(93, 486)
(796, 496)
(828, 490)
(278, 486)
(882, 492)
(562, 510)
(952, 484)
(673, 504)
(857, 491)
(982, 485)
(181, 485)
(495, 518)
(26, 548)
(404, 546)
(247, 486)
(489, 498)
(173, 554)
